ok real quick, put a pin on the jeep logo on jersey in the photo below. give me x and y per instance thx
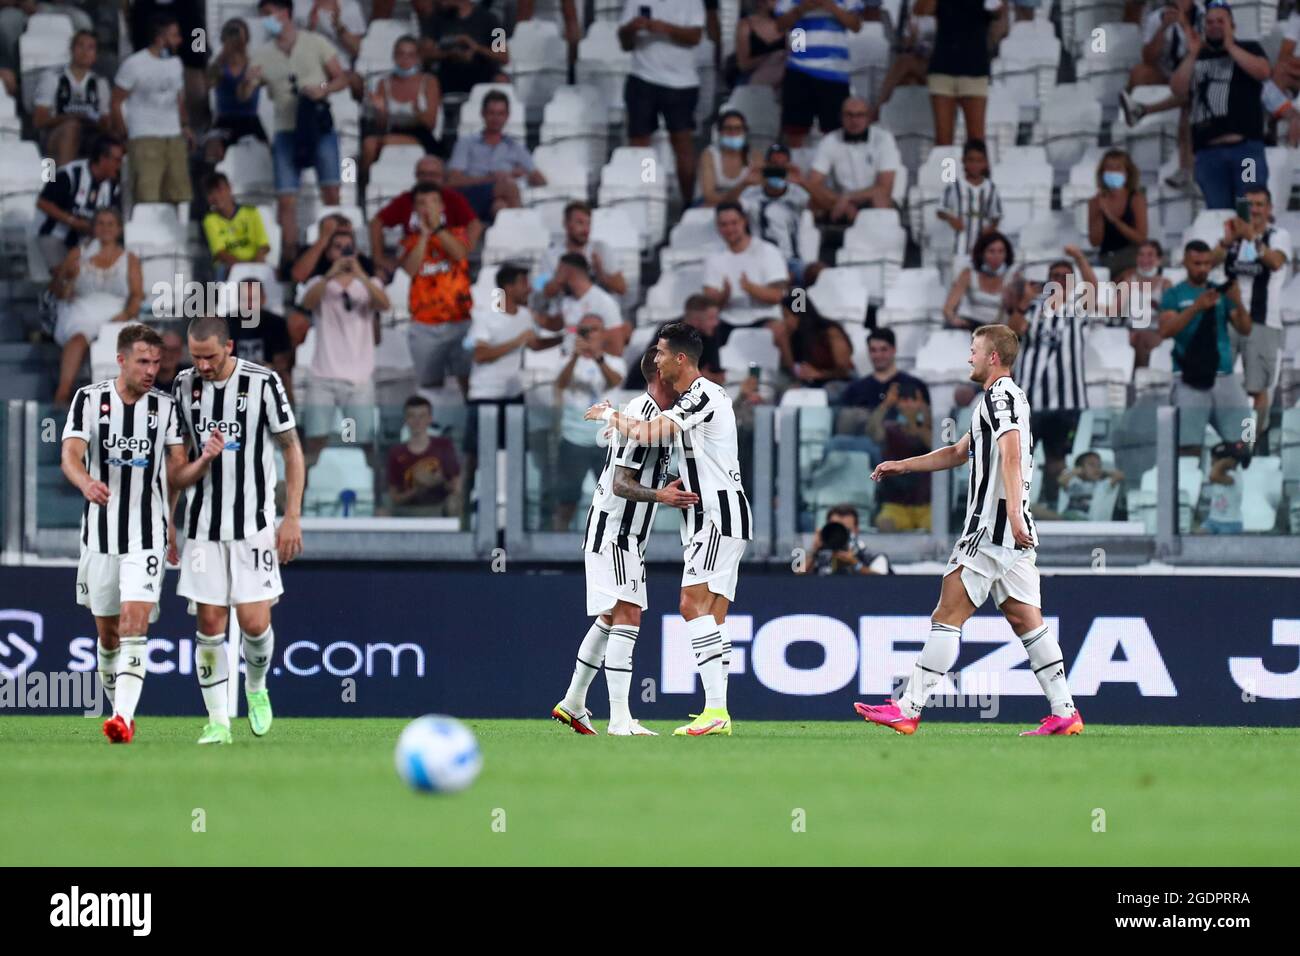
(127, 444)
(229, 429)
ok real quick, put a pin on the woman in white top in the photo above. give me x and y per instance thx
(96, 284)
(976, 296)
(403, 107)
(731, 165)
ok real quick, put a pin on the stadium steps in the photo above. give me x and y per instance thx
(28, 370)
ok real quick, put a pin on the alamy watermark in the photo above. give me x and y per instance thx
(57, 690)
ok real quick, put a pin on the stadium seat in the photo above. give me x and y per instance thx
(1070, 124)
(250, 169)
(51, 24)
(39, 53)
(11, 127)
(1044, 239)
(875, 245)
(1027, 61)
(914, 296)
(746, 347)
(840, 294)
(471, 114)
(666, 299)
(1106, 70)
(1024, 180)
(1155, 137)
(567, 180)
(603, 63)
(838, 477)
(517, 235)
(615, 228)
(633, 181)
(577, 117)
(869, 57)
(155, 234)
(1081, 187)
(1261, 493)
(539, 64)
(941, 165)
(908, 116)
(375, 57)
(340, 484)
(694, 238)
(20, 185)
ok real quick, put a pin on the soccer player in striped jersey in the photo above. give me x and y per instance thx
(995, 553)
(702, 425)
(632, 485)
(233, 549)
(122, 449)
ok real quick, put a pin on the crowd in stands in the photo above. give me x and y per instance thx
(819, 160)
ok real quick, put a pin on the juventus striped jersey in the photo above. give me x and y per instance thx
(236, 497)
(1002, 408)
(612, 517)
(1051, 356)
(126, 450)
(708, 461)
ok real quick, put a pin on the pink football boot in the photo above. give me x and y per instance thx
(888, 715)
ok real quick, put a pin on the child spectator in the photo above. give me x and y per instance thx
(1221, 492)
(234, 233)
(423, 472)
(971, 206)
(1081, 482)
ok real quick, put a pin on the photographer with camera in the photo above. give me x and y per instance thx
(1197, 317)
(839, 548)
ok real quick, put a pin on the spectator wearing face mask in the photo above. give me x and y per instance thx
(775, 206)
(403, 107)
(976, 295)
(1117, 214)
(728, 166)
(1142, 288)
(1224, 78)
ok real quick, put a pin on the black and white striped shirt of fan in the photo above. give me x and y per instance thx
(611, 517)
(709, 463)
(236, 497)
(1050, 367)
(126, 449)
(1002, 408)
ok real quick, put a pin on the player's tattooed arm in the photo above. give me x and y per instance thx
(288, 537)
(671, 494)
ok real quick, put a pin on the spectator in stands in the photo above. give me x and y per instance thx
(1256, 256)
(436, 259)
(313, 260)
(157, 130)
(402, 108)
(840, 548)
(900, 425)
(342, 22)
(72, 104)
(959, 66)
(235, 233)
(570, 25)
(261, 335)
(1224, 78)
(746, 281)
(1117, 215)
(760, 48)
(730, 165)
(701, 315)
(300, 70)
(588, 376)
(663, 81)
(816, 82)
(971, 206)
(173, 361)
(236, 114)
(70, 201)
(864, 395)
(583, 297)
(344, 304)
(1141, 289)
(423, 472)
(13, 23)
(1166, 34)
(1221, 492)
(469, 45)
(1197, 316)
(1050, 366)
(911, 63)
(400, 211)
(1081, 484)
(485, 167)
(815, 351)
(775, 206)
(193, 55)
(97, 283)
(976, 295)
(1286, 71)
(854, 167)
(577, 239)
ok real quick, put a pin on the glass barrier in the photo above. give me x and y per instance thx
(362, 463)
(838, 450)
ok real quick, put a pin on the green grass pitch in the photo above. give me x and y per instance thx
(325, 792)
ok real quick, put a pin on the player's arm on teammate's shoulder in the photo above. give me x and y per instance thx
(941, 459)
(660, 431)
(288, 537)
(1013, 482)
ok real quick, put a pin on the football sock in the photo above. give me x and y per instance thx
(937, 658)
(726, 655)
(618, 670)
(257, 659)
(1049, 667)
(130, 664)
(591, 655)
(107, 667)
(214, 671)
(706, 643)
